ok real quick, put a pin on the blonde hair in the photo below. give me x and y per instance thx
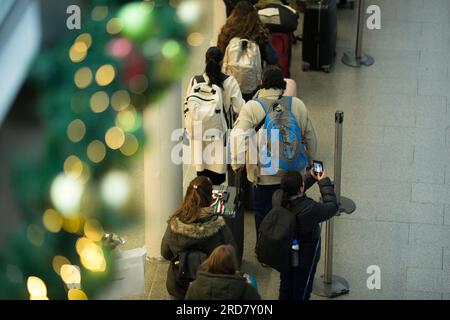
(222, 260)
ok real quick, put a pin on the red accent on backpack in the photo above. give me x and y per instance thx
(282, 42)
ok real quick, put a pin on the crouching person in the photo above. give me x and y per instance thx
(218, 279)
(296, 282)
(193, 232)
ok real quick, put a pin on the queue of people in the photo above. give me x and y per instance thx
(237, 93)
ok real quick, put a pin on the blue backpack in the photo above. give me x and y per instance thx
(292, 154)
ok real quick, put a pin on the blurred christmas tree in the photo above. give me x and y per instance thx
(93, 89)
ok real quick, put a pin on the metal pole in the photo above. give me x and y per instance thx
(345, 204)
(330, 285)
(359, 31)
(329, 225)
(358, 58)
(328, 262)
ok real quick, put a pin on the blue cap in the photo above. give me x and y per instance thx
(294, 242)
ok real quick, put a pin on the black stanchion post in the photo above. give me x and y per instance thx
(329, 285)
(358, 58)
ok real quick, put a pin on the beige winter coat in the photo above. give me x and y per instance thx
(251, 115)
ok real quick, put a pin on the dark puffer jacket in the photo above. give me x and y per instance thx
(204, 235)
(212, 286)
(309, 214)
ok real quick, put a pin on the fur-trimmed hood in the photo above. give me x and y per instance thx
(197, 230)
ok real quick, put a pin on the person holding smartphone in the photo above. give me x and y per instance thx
(296, 283)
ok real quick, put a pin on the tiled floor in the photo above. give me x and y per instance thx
(396, 156)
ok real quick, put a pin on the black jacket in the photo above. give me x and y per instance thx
(203, 235)
(309, 212)
(210, 286)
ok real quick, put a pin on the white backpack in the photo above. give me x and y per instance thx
(204, 106)
(242, 60)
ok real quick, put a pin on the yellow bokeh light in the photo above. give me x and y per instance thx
(58, 262)
(120, 100)
(115, 138)
(114, 26)
(35, 235)
(93, 230)
(52, 220)
(73, 167)
(85, 38)
(72, 225)
(131, 145)
(75, 294)
(86, 173)
(36, 287)
(70, 274)
(78, 52)
(96, 151)
(81, 244)
(105, 75)
(195, 39)
(76, 130)
(99, 13)
(83, 78)
(99, 101)
(38, 298)
(80, 46)
(127, 119)
(92, 258)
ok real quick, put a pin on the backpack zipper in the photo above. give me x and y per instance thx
(194, 96)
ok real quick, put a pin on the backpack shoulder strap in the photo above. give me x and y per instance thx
(264, 119)
(285, 101)
(199, 79)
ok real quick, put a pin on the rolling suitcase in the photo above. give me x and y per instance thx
(319, 35)
(234, 204)
(282, 43)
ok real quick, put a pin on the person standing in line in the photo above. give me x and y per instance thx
(230, 4)
(232, 105)
(297, 282)
(218, 278)
(193, 226)
(253, 115)
(244, 23)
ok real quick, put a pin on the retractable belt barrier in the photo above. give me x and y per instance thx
(358, 58)
(329, 285)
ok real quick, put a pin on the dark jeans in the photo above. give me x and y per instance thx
(262, 202)
(294, 283)
(216, 178)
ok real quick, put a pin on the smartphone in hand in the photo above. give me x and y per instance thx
(317, 168)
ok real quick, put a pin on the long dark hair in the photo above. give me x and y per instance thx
(221, 261)
(290, 186)
(244, 23)
(198, 197)
(213, 70)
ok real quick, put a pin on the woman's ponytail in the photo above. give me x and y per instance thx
(213, 70)
(198, 196)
